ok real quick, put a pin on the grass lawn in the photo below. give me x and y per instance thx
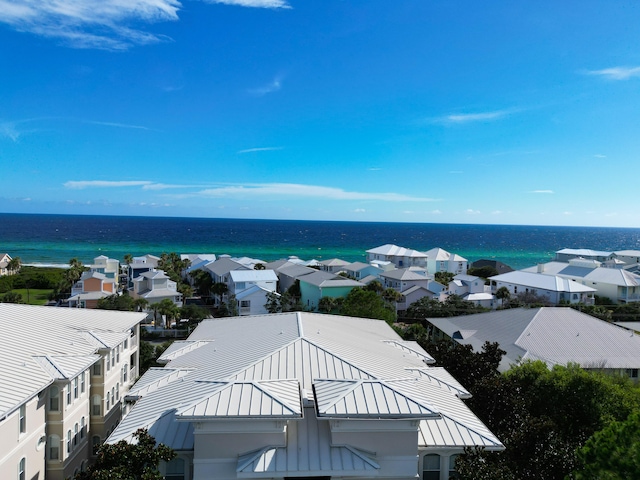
(36, 296)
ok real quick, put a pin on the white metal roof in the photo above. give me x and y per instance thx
(552, 283)
(314, 350)
(612, 276)
(253, 275)
(396, 251)
(67, 338)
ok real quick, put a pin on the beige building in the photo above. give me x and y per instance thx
(65, 372)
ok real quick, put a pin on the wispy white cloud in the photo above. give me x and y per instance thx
(9, 130)
(616, 73)
(273, 86)
(254, 3)
(599, 155)
(471, 211)
(89, 23)
(105, 184)
(462, 118)
(116, 124)
(305, 191)
(542, 191)
(260, 149)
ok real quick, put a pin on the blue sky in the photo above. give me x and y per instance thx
(447, 111)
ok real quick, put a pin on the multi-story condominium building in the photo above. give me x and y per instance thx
(65, 372)
(303, 395)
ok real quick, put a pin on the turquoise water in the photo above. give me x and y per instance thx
(54, 239)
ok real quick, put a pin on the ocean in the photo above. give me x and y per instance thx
(55, 239)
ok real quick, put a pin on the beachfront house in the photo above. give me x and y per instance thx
(555, 289)
(401, 257)
(5, 258)
(618, 285)
(567, 254)
(555, 335)
(109, 267)
(439, 260)
(288, 273)
(303, 395)
(65, 373)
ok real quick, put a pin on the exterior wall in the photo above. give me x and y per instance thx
(217, 445)
(28, 444)
(445, 459)
(395, 443)
(119, 368)
(69, 423)
(256, 304)
(311, 295)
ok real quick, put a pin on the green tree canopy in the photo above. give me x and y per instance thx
(138, 460)
(613, 453)
(367, 304)
(544, 416)
(453, 306)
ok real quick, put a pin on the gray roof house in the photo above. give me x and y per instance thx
(302, 395)
(555, 335)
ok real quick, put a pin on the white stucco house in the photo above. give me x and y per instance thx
(303, 395)
(401, 257)
(439, 260)
(619, 285)
(553, 287)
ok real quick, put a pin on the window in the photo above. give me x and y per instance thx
(245, 303)
(54, 447)
(431, 467)
(82, 383)
(124, 373)
(75, 388)
(117, 391)
(83, 427)
(108, 402)
(54, 399)
(76, 433)
(95, 444)
(96, 370)
(118, 354)
(113, 358)
(22, 467)
(23, 418)
(632, 372)
(68, 441)
(175, 469)
(96, 405)
(453, 474)
(126, 344)
(113, 396)
(68, 387)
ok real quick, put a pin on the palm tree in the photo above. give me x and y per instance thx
(14, 265)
